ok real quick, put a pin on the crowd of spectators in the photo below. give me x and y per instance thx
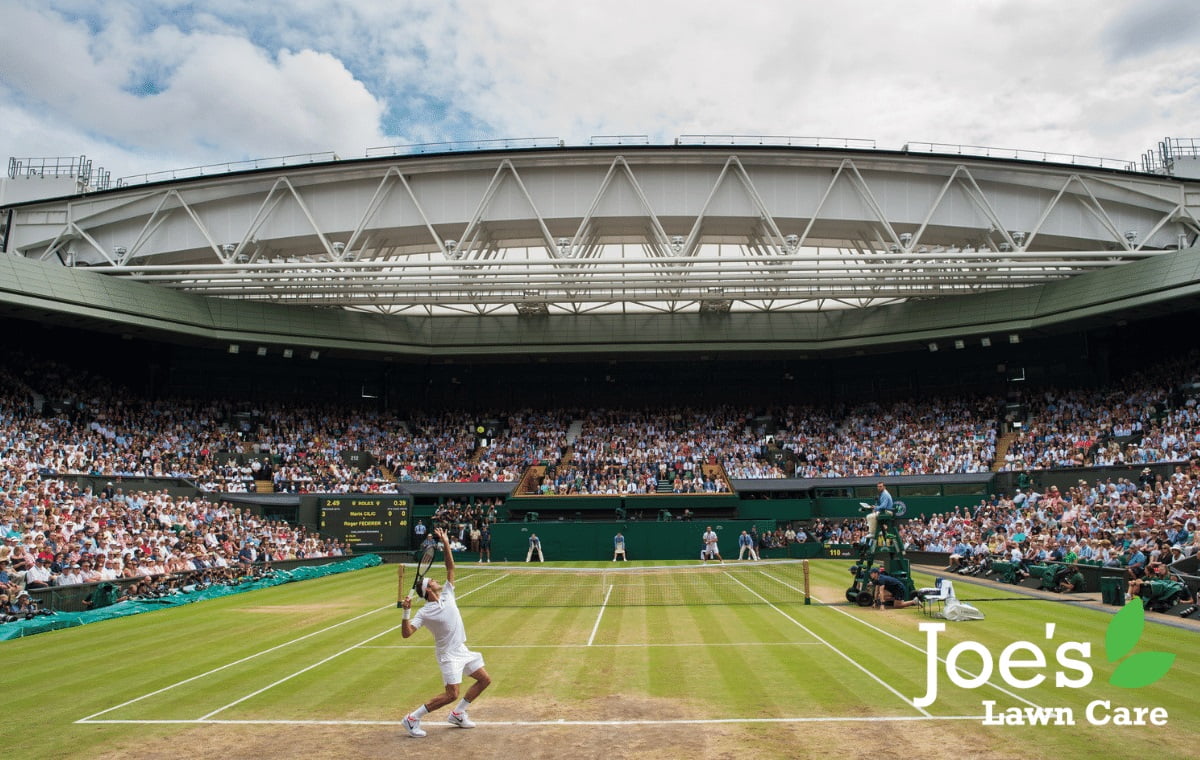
(640, 451)
(466, 523)
(445, 447)
(56, 534)
(57, 421)
(903, 438)
(68, 421)
(1149, 417)
(1111, 522)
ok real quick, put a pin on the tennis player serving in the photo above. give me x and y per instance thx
(441, 616)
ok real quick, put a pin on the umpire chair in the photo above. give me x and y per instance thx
(884, 548)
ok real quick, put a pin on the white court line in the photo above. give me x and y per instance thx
(844, 656)
(599, 615)
(298, 672)
(957, 667)
(89, 718)
(231, 664)
(629, 646)
(535, 723)
(327, 659)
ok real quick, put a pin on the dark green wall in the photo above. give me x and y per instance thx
(593, 541)
(776, 509)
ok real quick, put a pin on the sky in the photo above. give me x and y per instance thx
(149, 86)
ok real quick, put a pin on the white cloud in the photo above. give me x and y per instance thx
(244, 79)
(222, 98)
(1025, 75)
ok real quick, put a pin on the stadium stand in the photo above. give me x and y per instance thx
(60, 419)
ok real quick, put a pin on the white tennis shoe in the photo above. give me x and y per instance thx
(413, 726)
(460, 719)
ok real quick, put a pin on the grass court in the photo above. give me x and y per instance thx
(319, 670)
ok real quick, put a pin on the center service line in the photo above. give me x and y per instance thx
(844, 656)
(599, 615)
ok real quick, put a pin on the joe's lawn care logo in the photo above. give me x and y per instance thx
(1021, 664)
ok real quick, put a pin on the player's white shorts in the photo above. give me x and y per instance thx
(454, 665)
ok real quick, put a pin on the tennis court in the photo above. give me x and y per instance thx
(681, 661)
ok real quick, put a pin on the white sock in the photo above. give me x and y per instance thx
(420, 712)
(462, 706)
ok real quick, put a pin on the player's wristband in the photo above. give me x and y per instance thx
(406, 614)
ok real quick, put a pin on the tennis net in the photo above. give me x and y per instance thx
(779, 582)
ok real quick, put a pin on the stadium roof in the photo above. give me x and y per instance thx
(489, 250)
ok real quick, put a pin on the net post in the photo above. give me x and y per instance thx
(807, 597)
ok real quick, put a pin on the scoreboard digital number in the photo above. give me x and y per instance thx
(367, 522)
(840, 550)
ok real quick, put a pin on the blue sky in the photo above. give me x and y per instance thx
(141, 86)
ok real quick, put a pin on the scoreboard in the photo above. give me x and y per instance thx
(367, 522)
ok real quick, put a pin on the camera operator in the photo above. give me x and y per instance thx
(1071, 582)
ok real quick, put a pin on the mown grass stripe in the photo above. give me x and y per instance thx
(645, 664)
(233, 664)
(842, 654)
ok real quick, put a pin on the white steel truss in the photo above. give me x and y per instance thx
(660, 230)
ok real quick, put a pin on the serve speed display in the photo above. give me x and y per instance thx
(367, 522)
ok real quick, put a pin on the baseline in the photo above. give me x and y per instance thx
(352, 647)
(232, 664)
(560, 722)
(602, 646)
(92, 718)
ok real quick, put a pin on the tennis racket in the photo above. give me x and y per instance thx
(400, 584)
(423, 565)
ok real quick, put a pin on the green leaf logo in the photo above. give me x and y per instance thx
(1123, 632)
(1142, 669)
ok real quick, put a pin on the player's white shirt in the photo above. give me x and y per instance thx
(444, 622)
(710, 538)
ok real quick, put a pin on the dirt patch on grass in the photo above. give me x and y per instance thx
(712, 741)
(832, 595)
